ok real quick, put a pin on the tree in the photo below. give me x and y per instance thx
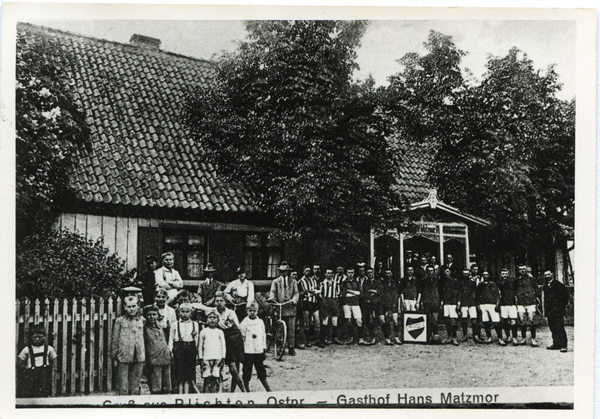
(285, 118)
(505, 146)
(56, 264)
(422, 96)
(49, 129)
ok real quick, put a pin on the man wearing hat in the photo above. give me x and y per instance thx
(167, 277)
(209, 287)
(555, 303)
(284, 289)
(147, 280)
(240, 290)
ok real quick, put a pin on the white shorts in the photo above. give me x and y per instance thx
(411, 305)
(469, 311)
(489, 313)
(450, 311)
(211, 368)
(352, 311)
(508, 312)
(530, 310)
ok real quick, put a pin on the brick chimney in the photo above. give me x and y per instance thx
(144, 41)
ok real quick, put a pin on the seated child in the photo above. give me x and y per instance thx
(255, 346)
(34, 365)
(184, 345)
(127, 348)
(158, 354)
(212, 353)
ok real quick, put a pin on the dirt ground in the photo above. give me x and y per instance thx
(418, 366)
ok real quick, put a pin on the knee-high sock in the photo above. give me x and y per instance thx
(488, 329)
(532, 330)
(524, 332)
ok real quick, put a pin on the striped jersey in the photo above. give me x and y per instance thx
(330, 289)
(308, 284)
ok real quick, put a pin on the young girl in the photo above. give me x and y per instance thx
(212, 353)
(255, 346)
(34, 365)
(158, 354)
(234, 342)
(184, 345)
(127, 348)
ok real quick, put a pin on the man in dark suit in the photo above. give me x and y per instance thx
(556, 299)
(285, 289)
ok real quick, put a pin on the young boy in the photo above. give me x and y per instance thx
(158, 354)
(350, 293)
(183, 343)
(34, 365)
(508, 307)
(488, 298)
(255, 346)
(166, 315)
(451, 304)
(330, 309)
(388, 318)
(211, 351)
(127, 347)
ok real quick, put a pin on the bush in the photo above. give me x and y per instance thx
(64, 264)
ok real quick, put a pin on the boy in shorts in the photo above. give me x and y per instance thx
(468, 306)
(34, 365)
(211, 351)
(350, 294)
(488, 297)
(389, 307)
(451, 304)
(330, 291)
(508, 307)
(526, 293)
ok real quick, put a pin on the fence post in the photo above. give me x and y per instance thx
(54, 343)
(26, 321)
(92, 352)
(18, 312)
(36, 313)
(101, 385)
(82, 349)
(109, 366)
(65, 323)
(74, 347)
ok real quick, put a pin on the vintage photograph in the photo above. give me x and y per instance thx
(325, 212)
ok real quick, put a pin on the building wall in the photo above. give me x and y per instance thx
(121, 235)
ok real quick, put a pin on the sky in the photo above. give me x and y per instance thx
(384, 42)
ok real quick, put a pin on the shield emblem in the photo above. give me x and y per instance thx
(415, 326)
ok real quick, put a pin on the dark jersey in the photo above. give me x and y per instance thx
(487, 293)
(410, 288)
(371, 291)
(451, 291)
(507, 292)
(389, 293)
(526, 287)
(468, 293)
(430, 295)
(349, 299)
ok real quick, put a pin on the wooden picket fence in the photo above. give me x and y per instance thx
(80, 331)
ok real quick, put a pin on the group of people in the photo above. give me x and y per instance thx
(345, 305)
(180, 330)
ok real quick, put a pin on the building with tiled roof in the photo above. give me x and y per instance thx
(144, 188)
(143, 177)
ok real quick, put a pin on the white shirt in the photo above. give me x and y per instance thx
(251, 328)
(244, 289)
(39, 360)
(187, 329)
(169, 316)
(212, 344)
(168, 278)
